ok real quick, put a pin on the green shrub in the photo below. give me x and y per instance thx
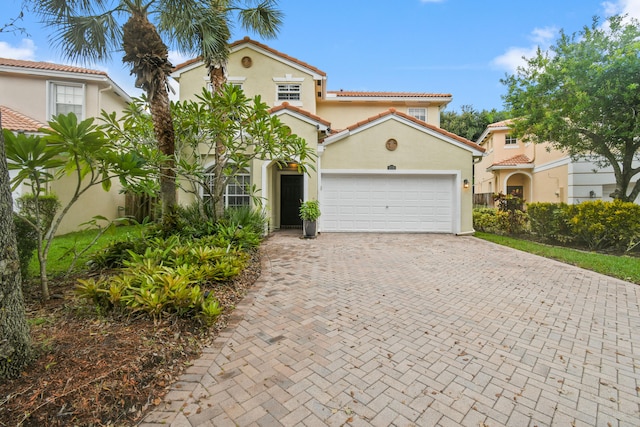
(606, 225)
(250, 219)
(550, 221)
(27, 240)
(48, 205)
(486, 219)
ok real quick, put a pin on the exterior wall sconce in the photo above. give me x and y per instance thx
(592, 194)
(465, 183)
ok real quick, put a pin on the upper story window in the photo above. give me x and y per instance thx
(67, 98)
(288, 92)
(509, 139)
(418, 113)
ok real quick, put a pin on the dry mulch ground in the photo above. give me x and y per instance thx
(97, 370)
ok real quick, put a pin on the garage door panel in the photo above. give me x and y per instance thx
(416, 203)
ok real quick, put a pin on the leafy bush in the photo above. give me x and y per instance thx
(550, 221)
(48, 205)
(515, 221)
(27, 240)
(604, 225)
(487, 220)
(162, 276)
(250, 219)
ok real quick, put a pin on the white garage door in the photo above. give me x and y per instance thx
(400, 203)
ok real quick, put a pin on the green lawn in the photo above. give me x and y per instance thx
(62, 249)
(623, 267)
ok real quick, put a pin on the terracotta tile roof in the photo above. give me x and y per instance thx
(47, 66)
(262, 46)
(14, 121)
(356, 94)
(503, 123)
(520, 159)
(287, 106)
(393, 111)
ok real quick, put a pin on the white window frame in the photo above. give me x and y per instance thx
(231, 189)
(288, 92)
(418, 113)
(510, 140)
(52, 101)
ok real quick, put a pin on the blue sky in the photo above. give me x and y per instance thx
(462, 47)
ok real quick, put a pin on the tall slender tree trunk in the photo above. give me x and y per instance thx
(218, 78)
(15, 342)
(149, 59)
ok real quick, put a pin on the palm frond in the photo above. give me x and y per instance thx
(87, 38)
(264, 19)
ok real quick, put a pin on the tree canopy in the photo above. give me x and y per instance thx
(583, 96)
(470, 123)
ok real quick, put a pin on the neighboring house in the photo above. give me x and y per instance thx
(383, 164)
(31, 93)
(537, 172)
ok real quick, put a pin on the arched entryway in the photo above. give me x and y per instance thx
(519, 184)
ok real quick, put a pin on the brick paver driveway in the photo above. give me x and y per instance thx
(417, 330)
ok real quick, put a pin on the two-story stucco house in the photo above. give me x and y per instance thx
(537, 172)
(31, 93)
(383, 163)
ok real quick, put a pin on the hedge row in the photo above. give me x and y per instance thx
(596, 225)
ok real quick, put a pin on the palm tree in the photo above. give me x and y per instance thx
(209, 25)
(89, 31)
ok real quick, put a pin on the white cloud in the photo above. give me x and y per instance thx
(513, 57)
(622, 7)
(26, 50)
(544, 36)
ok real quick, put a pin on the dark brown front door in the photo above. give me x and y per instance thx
(291, 193)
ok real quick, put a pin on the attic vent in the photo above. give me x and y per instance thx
(246, 61)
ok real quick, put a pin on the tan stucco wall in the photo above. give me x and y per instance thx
(416, 151)
(551, 185)
(258, 79)
(95, 201)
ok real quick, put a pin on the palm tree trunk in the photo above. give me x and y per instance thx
(15, 342)
(217, 77)
(148, 56)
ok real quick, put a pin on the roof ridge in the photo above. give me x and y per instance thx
(247, 39)
(50, 66)
(393, 111)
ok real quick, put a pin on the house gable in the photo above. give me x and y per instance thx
(412, 122)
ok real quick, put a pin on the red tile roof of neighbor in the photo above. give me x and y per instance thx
(287, 106)
(503, 123)
(393, 111)
(356, 94)
(520, 159)
(47, 66)
(17, 122)
(262, 46)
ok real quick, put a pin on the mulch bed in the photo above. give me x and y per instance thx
(96, 369)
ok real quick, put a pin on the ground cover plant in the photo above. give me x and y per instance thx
(106, 357)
